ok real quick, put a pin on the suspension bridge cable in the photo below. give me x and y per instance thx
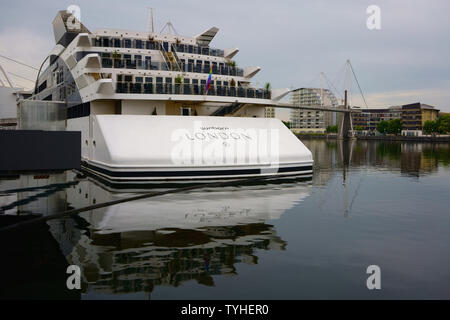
(16, 75)
(24, 64)
(330, 84)
(357, 82)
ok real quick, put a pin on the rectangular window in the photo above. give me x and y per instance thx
(116, 43)
(194, 81)
(128, 78)
(139, 79)
(127, 43)
(138, 44)
(186, 111)
(119, 78)
(168, 80)
(149, 79)
(186, 81)
(159, 80)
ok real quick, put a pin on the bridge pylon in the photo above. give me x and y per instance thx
(345, 122)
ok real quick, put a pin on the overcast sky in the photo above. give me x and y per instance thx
(407, 61)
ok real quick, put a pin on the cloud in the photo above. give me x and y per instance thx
(292, 41)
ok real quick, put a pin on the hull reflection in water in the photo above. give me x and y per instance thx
(135, 246)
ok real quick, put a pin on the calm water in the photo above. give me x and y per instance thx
(369, 203)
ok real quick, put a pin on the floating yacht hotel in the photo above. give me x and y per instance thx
(154, 106)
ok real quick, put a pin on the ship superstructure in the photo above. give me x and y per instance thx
(131, 94)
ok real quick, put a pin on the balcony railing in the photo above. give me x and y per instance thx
(155, 45)
(163, 66)
(191, 89)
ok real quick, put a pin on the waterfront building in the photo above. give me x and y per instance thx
(369, 118)
(269, 112)
(415, 115)
(312, 121)
(412, 116)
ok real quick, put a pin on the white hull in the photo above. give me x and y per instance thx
(125, 148)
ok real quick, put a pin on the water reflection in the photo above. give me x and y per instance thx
(169, 240)
(133, 247)
(414, 159)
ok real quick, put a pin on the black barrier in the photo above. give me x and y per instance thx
(30, 150)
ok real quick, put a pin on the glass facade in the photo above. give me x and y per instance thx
(168, 87)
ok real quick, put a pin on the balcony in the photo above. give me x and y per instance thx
(191, 89)
(163, 66)
(106, 42)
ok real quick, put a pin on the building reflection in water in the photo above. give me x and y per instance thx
(414, 159)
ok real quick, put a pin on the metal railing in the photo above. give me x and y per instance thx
(191, 89)
(105, 42)
(168, 66)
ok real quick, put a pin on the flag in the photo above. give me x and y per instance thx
(208, 83)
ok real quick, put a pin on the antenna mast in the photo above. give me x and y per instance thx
(150, 25)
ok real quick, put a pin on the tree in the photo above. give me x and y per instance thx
(287, 124)
(358, 128)
(232, 64)
(332, 129)
(394, 126)
(116, 55)
(178, 79)
(430, 127)
(268, 86)
(382, 126)
(443, 123)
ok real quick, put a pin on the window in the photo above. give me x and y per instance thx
(194, 81)
(185, 111)
(169, 80)
(127, 43)
(186, 81)
(119, 78)
(159, 80)
(148, 79)
(138, 44)
(128, 78)
(139, 79)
